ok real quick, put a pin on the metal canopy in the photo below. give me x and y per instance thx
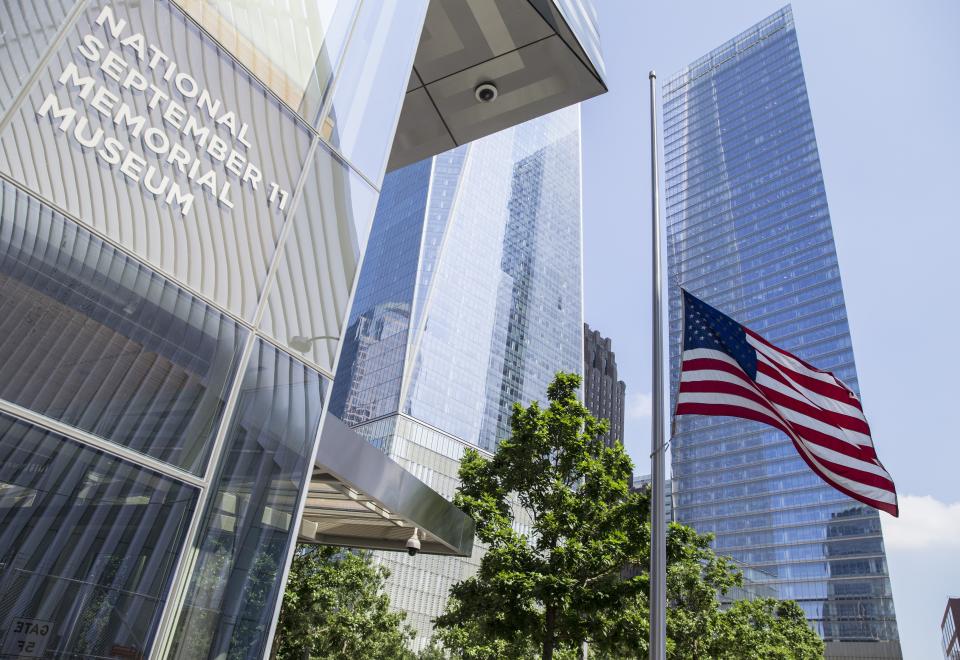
(525, 47)
(359, 498)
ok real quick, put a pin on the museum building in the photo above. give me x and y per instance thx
(186, 192)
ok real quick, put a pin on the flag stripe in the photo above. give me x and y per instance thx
(736, 406)
(772, 378)
(728, 392)
(757, 341)
(822, 417)
(830, 417)
(828, 390)
(716, 364)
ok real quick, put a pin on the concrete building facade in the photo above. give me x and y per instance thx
(603, 393)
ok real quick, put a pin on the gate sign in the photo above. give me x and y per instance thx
(27, 638)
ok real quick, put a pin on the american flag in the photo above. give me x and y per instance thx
(729, 370)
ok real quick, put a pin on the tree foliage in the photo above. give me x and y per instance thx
(334, 607)
(553, 580)
(765, 629)
(560, 584)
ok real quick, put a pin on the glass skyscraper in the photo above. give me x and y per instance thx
(469, 300)
(750, 233)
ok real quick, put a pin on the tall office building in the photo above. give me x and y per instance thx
(603, 393)
(950, 630)
(749, 232)
(186, 191)
(469, 301)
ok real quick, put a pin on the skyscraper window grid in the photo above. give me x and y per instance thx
(749, 231)
(496, 300)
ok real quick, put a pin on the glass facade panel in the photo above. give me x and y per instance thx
(28, 29)
(97, 340)
(88, 543)
(374, 347)
(310, 295)
(509, 270)
(248, 525)
(294, 47)
(189, 162)
(485, 237)
(369, 92)
(749, 232)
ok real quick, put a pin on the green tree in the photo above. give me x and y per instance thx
(547, 591)
(335, 607)
(561, 584)
(765, 629)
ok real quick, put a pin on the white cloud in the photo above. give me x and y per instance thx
(924, 523)
(639, 405)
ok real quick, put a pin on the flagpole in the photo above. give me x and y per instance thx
(658, 542)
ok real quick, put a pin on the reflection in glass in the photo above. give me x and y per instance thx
(308, 300)
(469, 298)
(94, 339)
(371, 364)
(369, 90)
(27, 29)
(88, 542)
(293, 47)
(247, 527)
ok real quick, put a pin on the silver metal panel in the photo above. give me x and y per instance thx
(533, 81)
(308, 297)
(415, 81)
(529, 49)
(458, 34)
(421, 132)
(360, 498)
(576, 23)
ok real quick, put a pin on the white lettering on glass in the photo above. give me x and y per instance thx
(182, 139)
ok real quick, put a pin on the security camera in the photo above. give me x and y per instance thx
(413, 544)
(486, 92)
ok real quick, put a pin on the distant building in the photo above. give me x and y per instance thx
(643, 481)
(949, 627)
(756, 584)
(603, 394)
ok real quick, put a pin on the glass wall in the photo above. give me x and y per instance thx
(469, 300)
(179, 188)
(749, 231)
(93, 338)
(249, 522)
(88, 544)
(374, 346)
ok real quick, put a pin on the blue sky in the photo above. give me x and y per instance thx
(884, 92)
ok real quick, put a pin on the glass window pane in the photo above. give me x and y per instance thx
(95, 339)
(28, 27)
(293, 46)
(88, 543)
(248, 525)
(308, 302)
(369, 90)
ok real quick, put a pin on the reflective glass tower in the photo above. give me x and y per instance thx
(469, 300)
(749, 232)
